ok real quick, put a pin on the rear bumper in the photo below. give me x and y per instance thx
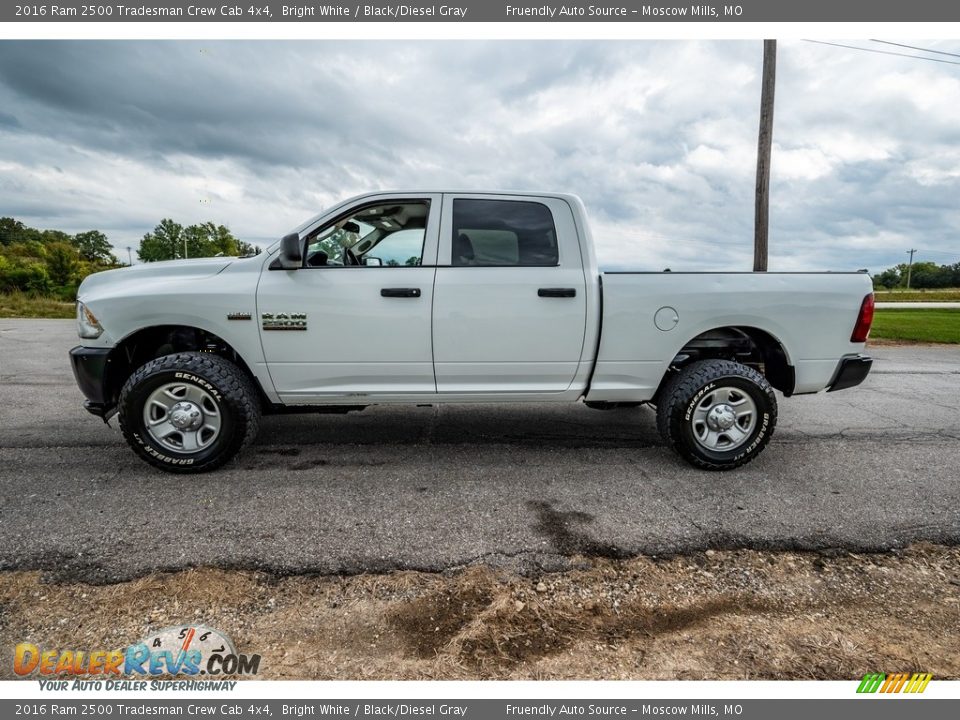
(90, 369)
(850, 372)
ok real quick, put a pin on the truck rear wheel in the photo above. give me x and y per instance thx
(717, 414)
(189, 412)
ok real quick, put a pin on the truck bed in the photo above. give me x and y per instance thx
(811, 314)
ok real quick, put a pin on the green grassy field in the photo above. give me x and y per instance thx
(917, 325)
(18, 305)
(941, 295)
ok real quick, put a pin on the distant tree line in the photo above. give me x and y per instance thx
(170, 240)
(52, 262)
(923, 275)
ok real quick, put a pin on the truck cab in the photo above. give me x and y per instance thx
(417, 295)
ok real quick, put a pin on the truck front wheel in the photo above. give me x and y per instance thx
(189, 412)
(717, 414)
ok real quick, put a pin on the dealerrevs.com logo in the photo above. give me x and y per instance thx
(183, 650)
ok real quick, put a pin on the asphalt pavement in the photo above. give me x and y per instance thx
(524, 486)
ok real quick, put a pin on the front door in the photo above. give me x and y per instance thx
(509, 305)
(354, 321)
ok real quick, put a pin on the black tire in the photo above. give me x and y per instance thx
(230, 389)
(694, 386)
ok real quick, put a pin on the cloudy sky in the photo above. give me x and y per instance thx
(659, 138)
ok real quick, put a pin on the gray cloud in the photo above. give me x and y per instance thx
(658, 137)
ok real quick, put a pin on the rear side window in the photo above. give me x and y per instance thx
(503, 232)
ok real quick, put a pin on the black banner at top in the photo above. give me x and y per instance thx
(483, 11)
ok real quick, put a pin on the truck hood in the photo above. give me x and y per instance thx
(152, 272)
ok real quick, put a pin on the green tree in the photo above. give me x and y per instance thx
(164, 243)
(94, 247)
(11, 231)
(208, 239)
(48, 237)
(245, 249)
(889, 278)
(955, 275)
(197, 241)
(27, 277)
(222, 241)
(26, 249)
(929, 275)
(923, 275)
(61, 263)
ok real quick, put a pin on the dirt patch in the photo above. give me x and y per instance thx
(428, 623)
(713, 615)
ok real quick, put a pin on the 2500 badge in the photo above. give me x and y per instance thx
(284, 321)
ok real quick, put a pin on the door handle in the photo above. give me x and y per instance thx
(557, 292)
(400, 292)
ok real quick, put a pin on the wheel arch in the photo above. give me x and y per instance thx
(747, 344)
(148, 343)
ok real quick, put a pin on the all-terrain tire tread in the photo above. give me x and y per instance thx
(678, 390)
(233, 383)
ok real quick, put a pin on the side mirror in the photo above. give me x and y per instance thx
(372, 262)
(291, 252)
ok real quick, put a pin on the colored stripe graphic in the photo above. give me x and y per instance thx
(870, 682)
(918, 683)
(894, 683)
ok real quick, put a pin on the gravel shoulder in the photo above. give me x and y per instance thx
(714, 615)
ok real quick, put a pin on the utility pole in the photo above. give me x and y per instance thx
(185, 255)
(129, 255)
(761, 221)
(910, 267)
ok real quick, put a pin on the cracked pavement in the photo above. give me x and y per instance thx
(525, 486)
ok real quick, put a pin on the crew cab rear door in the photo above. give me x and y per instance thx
(509, 303)
(354, 321)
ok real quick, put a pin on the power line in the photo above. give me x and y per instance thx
(940, 252)
(882, 52)
(914, 47)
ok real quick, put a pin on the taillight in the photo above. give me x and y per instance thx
(861, 331)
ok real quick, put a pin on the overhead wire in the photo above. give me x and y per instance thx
(914, 47)
(882, 52)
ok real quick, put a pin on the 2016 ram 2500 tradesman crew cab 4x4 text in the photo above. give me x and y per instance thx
(438, 297)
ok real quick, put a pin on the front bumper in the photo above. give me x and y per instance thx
(90, 370)
(850, 372)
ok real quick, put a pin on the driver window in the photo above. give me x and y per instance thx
(389, 234)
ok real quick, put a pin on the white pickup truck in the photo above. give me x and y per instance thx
(446, 297)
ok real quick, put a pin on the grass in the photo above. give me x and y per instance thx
(938, 295)
(917, 325)
(25, 305)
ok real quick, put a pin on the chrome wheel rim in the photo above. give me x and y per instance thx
(182, 417)
(724, 419)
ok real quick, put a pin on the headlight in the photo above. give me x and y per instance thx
(87, 324)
